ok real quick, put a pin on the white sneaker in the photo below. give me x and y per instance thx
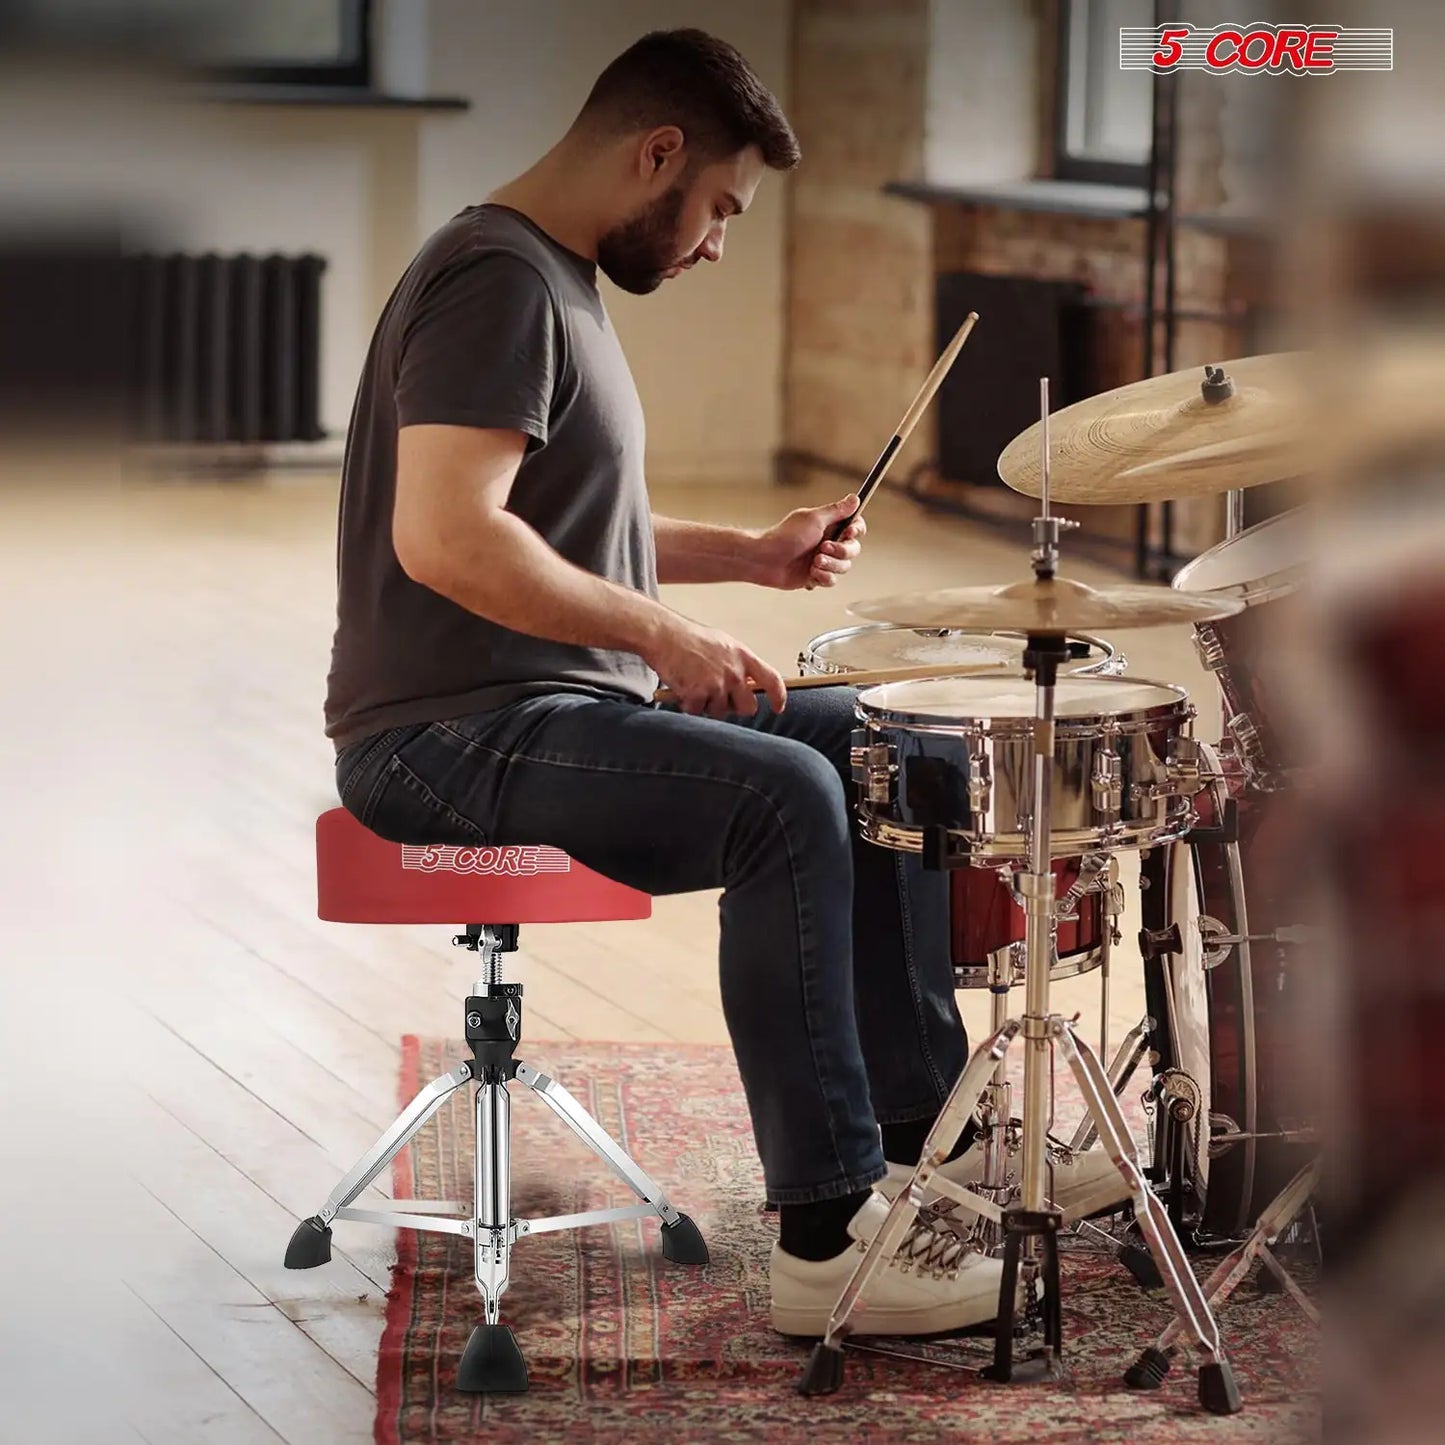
(1084, 1184)
(932, 1284)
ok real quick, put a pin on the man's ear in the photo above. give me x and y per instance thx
(662, 152)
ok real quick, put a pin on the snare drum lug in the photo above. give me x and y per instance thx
(858, 753)
(875, 769)
(1006, 966)
(1108, 784)
(1182, 765)
(980, 784)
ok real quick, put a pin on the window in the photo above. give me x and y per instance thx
(1103, 114)
(290, 42)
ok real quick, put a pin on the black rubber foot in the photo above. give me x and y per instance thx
(1140, 1263)
(1149, 1371)
(492, 1363)
(1218, 1392)
(310, 1244)
(1265, 1281)
(683, 1243)
(823, 1374)
(1041, 1367)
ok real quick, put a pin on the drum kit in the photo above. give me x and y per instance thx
(1024, 767)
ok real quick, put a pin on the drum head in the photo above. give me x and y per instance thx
(1188, 993)
(997, 695)
(885, 644)
(1265, 561)
(862, 649)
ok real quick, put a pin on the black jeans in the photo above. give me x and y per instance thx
(837, 986)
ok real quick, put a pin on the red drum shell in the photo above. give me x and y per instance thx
(985, 916)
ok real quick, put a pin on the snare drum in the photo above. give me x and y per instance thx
(986, 922)
(885, 644)
(1260, 566)
(944, 766)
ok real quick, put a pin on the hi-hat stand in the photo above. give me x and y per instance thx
(1031, 1219)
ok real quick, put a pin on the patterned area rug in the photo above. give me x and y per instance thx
(622, 1345)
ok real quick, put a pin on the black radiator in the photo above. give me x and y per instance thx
(1026, 329)
(226, 348)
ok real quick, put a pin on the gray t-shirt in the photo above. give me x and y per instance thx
(494, 324)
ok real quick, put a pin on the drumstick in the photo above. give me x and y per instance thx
(867, 678)
(919, 404)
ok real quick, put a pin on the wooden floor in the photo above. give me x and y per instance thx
(190, 1058)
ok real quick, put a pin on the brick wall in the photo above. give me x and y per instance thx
(861, 265)
(860, 271)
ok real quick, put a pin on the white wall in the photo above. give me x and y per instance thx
(706, 349)
(364, 187)
(981, 122)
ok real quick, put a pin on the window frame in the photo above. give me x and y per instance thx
(1070, 165)
(351, 72)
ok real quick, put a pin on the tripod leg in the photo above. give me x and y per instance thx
(824, 1371)
(1127, 1058)
(1227, 1275)
(681, 1240)
(311, 1243)
(1217, 1390)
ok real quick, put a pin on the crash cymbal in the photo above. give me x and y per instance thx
(1057, 605)
(1180, 435)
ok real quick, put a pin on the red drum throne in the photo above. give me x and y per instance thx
(490, 892)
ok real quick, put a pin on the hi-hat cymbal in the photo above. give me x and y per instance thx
(1170, 436)
(1057, 605)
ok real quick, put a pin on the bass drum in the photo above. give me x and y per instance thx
(1225, 984)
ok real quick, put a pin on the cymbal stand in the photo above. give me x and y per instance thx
(1031, 1218)
(1233, 513)
(1149, 1370)
(1218, 387)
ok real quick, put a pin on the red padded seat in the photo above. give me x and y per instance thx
(361, 878)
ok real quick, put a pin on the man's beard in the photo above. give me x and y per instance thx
(635, 254)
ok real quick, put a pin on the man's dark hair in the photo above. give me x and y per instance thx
(700, 84)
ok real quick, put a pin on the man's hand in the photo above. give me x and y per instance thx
(711, 672)
(796, 553)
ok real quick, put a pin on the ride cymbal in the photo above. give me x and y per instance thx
(1053, 605)
(1186, 434)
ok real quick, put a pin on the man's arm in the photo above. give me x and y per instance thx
(699, 552)
(795, 553)
(452, 533)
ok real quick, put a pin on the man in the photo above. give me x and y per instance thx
(499, 641)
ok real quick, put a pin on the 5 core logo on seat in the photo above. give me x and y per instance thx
(520, 862)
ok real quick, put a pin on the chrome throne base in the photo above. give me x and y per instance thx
(492, 1362)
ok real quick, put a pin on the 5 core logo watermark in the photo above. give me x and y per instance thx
(1274, 49)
